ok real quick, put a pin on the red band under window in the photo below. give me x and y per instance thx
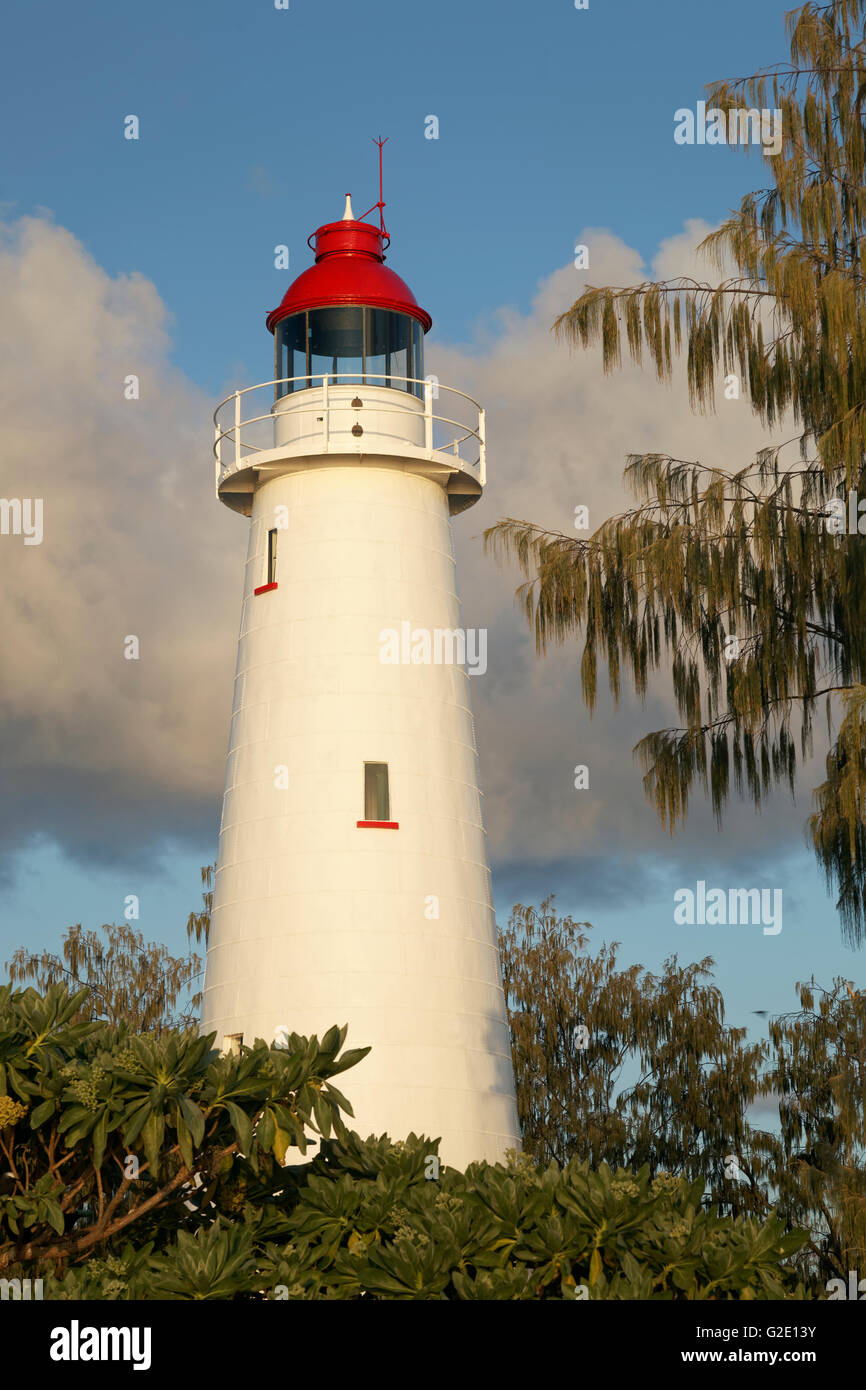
(378, 825)
(263, 588)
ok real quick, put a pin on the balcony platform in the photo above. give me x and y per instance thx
(355, 421)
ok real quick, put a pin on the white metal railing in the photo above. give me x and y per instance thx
(442, 433)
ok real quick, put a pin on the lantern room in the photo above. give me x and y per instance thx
(355, 345)
(349, 317)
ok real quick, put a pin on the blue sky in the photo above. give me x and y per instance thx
(253, 124)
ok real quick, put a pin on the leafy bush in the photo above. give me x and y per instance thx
(214, 1212)
(101, 1130)
(364, 1222)
(367, 1223)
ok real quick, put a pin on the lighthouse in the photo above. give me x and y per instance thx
(352, 883)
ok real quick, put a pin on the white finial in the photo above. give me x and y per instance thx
(348, 215)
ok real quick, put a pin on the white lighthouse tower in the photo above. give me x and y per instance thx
(352, 881)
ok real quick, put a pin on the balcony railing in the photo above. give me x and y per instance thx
(321, 418)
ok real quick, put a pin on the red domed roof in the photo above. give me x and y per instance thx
(349, 270)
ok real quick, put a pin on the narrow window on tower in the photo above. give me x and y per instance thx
(377, 799)
(271, 580)
(232, 1043)
(272, 557)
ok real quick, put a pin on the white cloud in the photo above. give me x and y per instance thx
(559, 432)
(101, 752)
(108, 755)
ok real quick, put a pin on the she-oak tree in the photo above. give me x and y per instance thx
(764, 553)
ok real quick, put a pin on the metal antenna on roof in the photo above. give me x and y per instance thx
(381, 203)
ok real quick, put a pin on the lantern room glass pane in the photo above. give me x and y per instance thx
(418, 356)
(390, 349)
(337, 344)
(291, 336)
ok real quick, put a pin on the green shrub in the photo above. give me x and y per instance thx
(213, 1213)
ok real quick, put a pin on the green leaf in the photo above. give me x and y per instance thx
(242, 1126)
(152, 1136)
(54, 1217)
(184, 1140)
(42, 1112)
(266, 1129)
(282, 1140)
(194, 1118)
(100, 1136)
(322, 1112)
(348, 1059)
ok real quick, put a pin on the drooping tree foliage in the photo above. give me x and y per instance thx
(125, 979)
(746, 583)
(816, 1155)
(198, 923)
(638, 1069)
(623, 1066)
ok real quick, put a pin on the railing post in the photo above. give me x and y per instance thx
(428, 417)
(237, 429)
(325, 408)
(482, 458)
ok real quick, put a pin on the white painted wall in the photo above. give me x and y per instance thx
(316, 921)
(387, 414)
